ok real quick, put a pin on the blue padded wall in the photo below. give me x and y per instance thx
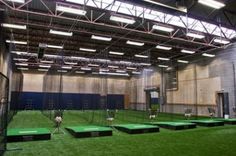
(35, 100)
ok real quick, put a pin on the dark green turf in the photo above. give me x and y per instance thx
(177, 125)
(202, 141)
(135, 126)
(88, 128)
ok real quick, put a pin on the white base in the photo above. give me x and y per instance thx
(226, 116)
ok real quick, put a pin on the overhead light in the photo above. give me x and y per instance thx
(87, 49)
(120, 71)
(163, 47)
(61, 71)
(110, 66)
(134, 43)
(114, 74)
(21, 64)
(20, 59)
(77, 58)
(46, 61)
(13, 26)
(193, 35)
(54, 46)
(212, 3)
(19, 52)
(148, 70)
(45, 66)
(116, 53)
(162, 66)
(141, 56)
(163, 58)
(16, 42)
(162, 28)
(70, 63)
(145, 64)
(208, 55)
(71, 10)
(122, 19)
(221, 41)
(102, 38)
(187, 51)
(85, 68)
(79, 72)
(103, 60)
(104, 70)
(182, 61)
(52, 56)
(43, 70)
(66, 67)
(93, 65)
(17, 1)
(23, 68)
(56, 32)
(131, 68)
(136, 73)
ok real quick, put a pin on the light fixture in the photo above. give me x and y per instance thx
(21, 64)
(163, 58)
(13, 26)
(85, 68)
(102, 38)
(116, 53)
(104, 70)
(70, 63)
(44, 66)
(114, 74)
(66, 67)
(163, 47)
(19, 52)
(194, 35)
(136, 73)
(20, 59)
(122, 19)
(23, 68)
(208, 55)
(182, 61)
(115, 67)
(187, 51)
(125, 62)
(131, 68)
(148, 70)
(79, 72)
(93, 65)
(141, 56)
(135, 43)
(145, 64)
(221, 41)
(43, 70)
(54, 46)
(120, 71)
(17, 1)
(162, 66)
(61, 71)
(87, 49)
(162, 28)
(16, 42)
(212, 3)
(71, 10)
(56, 32)
(46, 61)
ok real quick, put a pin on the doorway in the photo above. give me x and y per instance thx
(152, 98)
(222, 99)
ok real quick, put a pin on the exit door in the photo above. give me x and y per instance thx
(223, 104)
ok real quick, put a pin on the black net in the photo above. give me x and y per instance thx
(4, 102)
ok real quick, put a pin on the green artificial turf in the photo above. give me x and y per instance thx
(172, 123)
(202, 141)
(27, 131)
(88, 128)
(135, 126)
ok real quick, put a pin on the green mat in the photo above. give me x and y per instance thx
(27, 131)
(232, 119)
(88, 128)
(204, 121)
(172, 123)
(135, 126)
